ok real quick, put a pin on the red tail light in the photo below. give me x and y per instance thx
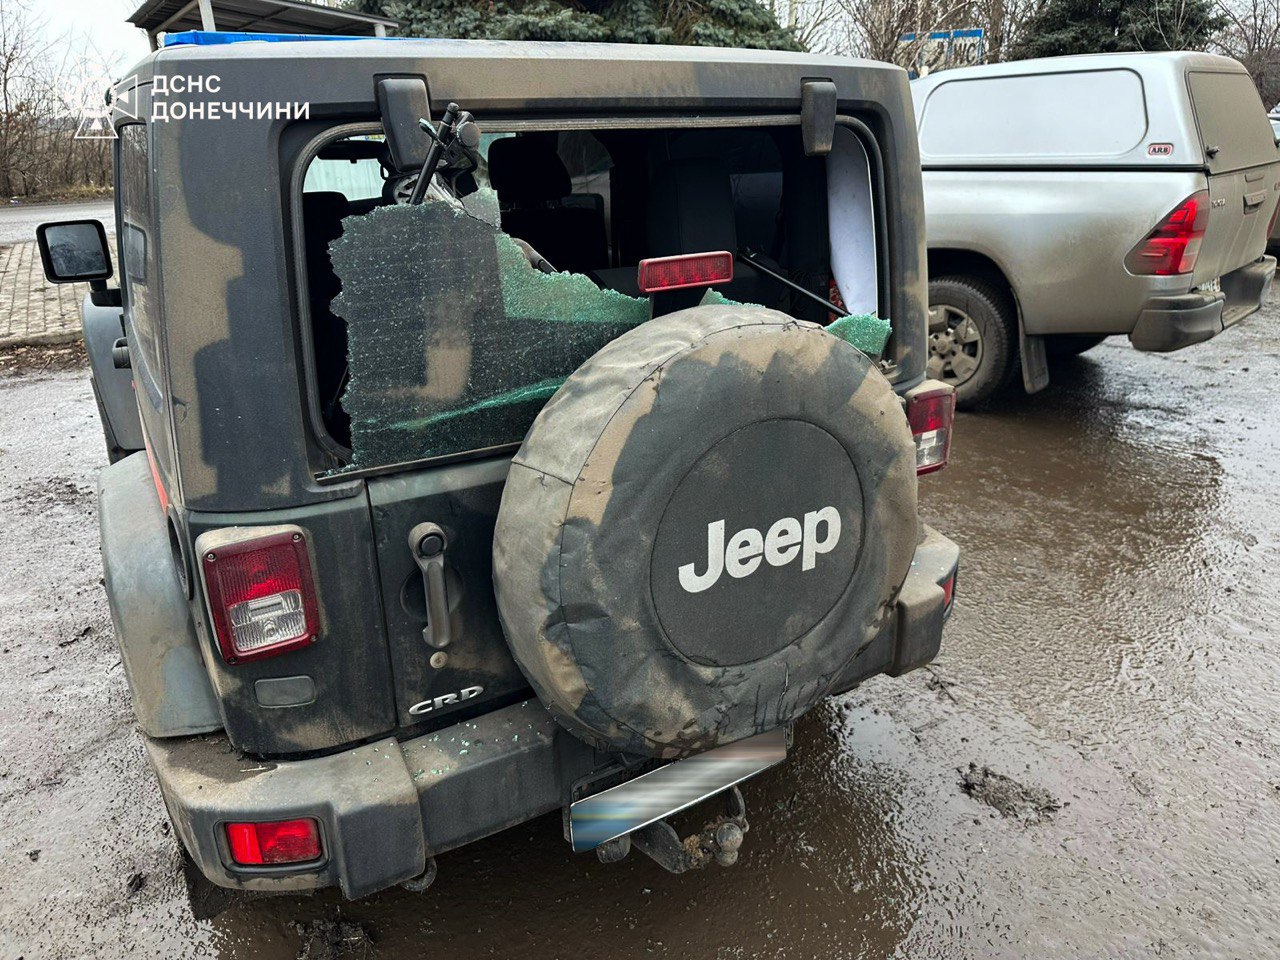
(948, 594)
(262, 597)
(278, 841)
(1172, 247)
(692, 270)
(932, 412)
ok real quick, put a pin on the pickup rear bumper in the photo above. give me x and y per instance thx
(1171, 323)
(384, 808)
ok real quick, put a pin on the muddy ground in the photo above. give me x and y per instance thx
(1089, 770)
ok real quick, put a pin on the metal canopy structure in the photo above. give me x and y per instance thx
(255, 16)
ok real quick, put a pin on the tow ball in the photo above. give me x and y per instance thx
(719, 840)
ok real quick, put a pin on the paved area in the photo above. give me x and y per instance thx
(1091, 769)
(18, 221)
(31, 310)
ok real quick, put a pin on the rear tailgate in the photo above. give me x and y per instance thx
(1243, 167)
(474, 672)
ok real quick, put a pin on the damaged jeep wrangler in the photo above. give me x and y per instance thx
(521, 427)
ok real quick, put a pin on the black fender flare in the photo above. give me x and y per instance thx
(168, 681)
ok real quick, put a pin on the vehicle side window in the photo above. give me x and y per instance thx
(136, 243)
(1088, 113)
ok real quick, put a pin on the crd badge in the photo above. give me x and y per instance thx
(445, 700)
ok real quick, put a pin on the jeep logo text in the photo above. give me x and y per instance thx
(786, 540)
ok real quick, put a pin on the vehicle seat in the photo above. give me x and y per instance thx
(534, 193)
(690, 210)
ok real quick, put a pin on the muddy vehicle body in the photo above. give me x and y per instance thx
(1075, 198)
(455, 513)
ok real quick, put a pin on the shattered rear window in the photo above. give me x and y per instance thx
(435, 334)
(462, 353)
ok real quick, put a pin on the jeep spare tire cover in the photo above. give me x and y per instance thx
(706, 523)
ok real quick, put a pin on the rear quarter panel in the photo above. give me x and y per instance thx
(1060, 236)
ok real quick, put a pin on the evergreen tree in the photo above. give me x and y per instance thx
(1107, 26)
(711, 23)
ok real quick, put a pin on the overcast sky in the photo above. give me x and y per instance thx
(97, 24)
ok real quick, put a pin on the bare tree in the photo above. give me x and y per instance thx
(1003, 22)
(20, 53)
(877, 28)
(39, 152)
(815, 23)
(1251, 34)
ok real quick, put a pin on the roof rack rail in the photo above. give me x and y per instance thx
(253, 20)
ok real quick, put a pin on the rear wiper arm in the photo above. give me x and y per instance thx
(748, 256)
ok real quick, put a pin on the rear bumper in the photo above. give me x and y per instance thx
(913, 636)
(1171, 323)
(381, 807)
(384, 807)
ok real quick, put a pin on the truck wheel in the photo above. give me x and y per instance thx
(973, 337)
(704, 526)
(1070, 344)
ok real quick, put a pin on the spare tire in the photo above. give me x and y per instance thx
(708, 521)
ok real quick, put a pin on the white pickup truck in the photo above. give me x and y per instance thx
(1074, 198)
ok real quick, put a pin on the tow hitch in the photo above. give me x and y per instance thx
(635, 813)
(718, 840)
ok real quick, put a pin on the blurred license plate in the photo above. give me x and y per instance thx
(670, 789)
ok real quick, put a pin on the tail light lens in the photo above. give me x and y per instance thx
(931, 411)
(679, 273)
(262, 597)
(948, 594)
(274, 842)
(1172, 247)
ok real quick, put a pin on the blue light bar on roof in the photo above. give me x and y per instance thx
(206, 38)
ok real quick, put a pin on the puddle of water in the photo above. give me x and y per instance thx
(1113, 651)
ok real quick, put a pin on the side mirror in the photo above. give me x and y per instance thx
(402, 101)
(74, 251)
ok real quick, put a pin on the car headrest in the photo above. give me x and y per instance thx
(691, 208)
(354, 150)
(322, 212)
(527, 168)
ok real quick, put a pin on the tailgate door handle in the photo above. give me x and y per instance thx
(427, 543)
(1254, 200)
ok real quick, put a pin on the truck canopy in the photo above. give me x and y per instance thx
(1147, 110)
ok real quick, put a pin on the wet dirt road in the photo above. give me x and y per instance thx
(1114, 655)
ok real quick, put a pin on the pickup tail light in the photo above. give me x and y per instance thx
(274, 842)
(1172, 247)
(262, 597)
(948, 594)
(682, 272)
(931, 413)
